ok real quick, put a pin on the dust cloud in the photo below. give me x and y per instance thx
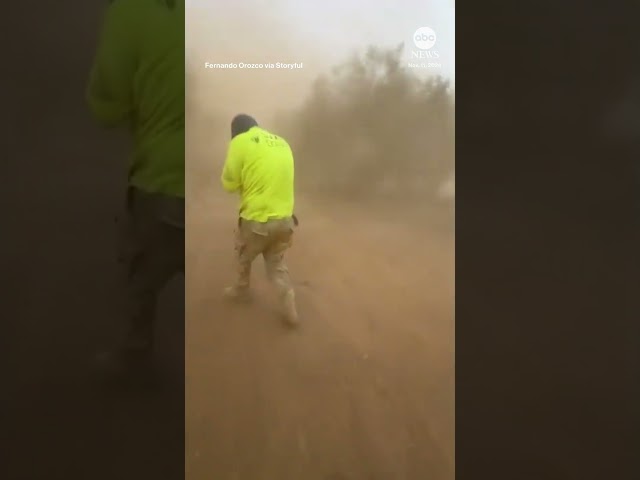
(365, 389)
(370, 129)
(215, 95)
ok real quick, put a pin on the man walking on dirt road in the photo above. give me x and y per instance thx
(260, 167)
(137, 82)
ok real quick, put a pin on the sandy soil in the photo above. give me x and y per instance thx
(364, 390)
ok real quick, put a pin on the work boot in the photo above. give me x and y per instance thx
(237, 294)
(289, 311)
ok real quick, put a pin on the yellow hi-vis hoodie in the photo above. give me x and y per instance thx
(260, 167)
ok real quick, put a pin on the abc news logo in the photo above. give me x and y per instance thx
(424, 38)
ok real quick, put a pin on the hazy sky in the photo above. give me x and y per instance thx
(335, 28)
(320, 35)
(344, 25)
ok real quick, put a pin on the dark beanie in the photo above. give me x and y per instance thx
(242, 123)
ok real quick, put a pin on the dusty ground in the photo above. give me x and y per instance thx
(365, 390)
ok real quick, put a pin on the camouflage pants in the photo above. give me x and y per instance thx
(152, 249)
(271, 240)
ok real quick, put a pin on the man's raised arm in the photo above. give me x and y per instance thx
(232, 171)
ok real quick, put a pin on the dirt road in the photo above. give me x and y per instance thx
(364, 390)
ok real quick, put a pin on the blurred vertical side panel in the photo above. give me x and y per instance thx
(546, 231)
(64, 182)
